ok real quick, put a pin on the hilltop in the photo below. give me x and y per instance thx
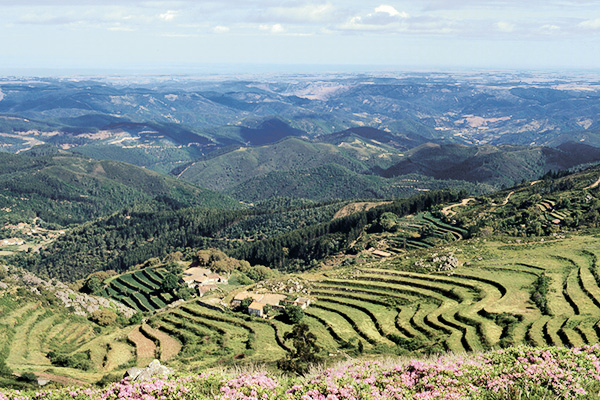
(64, 188)
(355, 166)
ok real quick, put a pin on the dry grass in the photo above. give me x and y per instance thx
(119, 354)
(169, 347)
(146, 349)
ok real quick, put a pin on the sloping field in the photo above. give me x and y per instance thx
(503, 293)
(30, 331)
(139, 290)
(384, 307)
(421, 231)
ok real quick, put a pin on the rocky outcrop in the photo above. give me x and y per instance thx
(80, 303)
(154, 369)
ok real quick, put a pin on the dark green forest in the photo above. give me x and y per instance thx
(62, 188)
(129, 238)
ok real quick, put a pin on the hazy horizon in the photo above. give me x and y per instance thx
(138, 35)
(243, 71)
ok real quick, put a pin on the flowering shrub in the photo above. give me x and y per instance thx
(514, 373)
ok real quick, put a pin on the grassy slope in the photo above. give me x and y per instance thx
(31, 328)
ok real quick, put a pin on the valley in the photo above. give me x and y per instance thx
(210, 224)
(418, 281)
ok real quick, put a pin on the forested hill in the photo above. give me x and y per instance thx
(129, 238)
(63, 188)
(355, 166)
(300, 235)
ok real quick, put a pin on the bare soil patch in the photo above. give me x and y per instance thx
(145, 347)
(357, 207)
(169, 347)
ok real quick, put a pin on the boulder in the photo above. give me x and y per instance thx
(154, 369)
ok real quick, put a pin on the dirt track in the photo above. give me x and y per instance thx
(593, 185)
(448, 210)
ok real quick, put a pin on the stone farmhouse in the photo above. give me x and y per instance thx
(203, 279)
(277, 301)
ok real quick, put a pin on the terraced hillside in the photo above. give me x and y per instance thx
(199, 335)
(537, 208)
(139, 290)
(31, 330)
(493, 300)
(421, 231)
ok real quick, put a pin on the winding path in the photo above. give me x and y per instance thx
(593, 185)
(505, 202)
(448, 209)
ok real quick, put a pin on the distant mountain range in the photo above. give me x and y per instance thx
(283, 134)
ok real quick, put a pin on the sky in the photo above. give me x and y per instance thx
(171, 36)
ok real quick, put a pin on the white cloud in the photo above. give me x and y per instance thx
(590, 24)
(309, 13)
(548, 29)
(221, 29)
(168, 16)
(391, 11)
(383, 17)
(504, 26)
(277, 28)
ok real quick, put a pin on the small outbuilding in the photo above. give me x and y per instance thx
(256, 308)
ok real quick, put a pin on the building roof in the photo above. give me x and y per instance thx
(256, 306)
(266, 298)
(206, 288)
(196, 274)
(12, 241)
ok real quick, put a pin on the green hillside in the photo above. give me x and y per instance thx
(139, 290)
(450, 274)
(129, 238)
(369, 163)
(229, 169)
(498, 166)
(491, 298)
(161, 159)
(333, 181)
(43, 338)
(60, 187)
(543, 207)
